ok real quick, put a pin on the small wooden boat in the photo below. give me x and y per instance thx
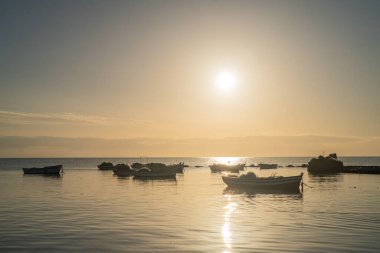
(178, 167)
(160, 166)
(146, 173)
(122, 170)
(227, 168)
(137, 165)
(48, 170)
(264, 166)
(251, 181)
(105, 166)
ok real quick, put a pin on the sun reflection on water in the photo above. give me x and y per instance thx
(226, 160)
(226, 231)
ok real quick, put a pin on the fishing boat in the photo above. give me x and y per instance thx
(122, 170)
(250, 180)
(227, 168)
(160, 166)
(146, 173)
(48, 170)
(105, 166)
(179, 167)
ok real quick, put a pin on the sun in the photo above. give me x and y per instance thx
(225, 81)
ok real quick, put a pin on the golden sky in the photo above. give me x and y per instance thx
(278, 77)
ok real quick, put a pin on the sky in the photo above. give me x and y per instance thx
(143, 78)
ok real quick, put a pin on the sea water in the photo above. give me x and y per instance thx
(87, 210)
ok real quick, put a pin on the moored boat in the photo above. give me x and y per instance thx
(105, 166)
(178, 167)
(147, 173)
(48, 170)
(137, 166)
(227, 168)
(250, 180)
(160, 166)
(122, 170)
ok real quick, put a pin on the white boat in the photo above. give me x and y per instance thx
(274, 182)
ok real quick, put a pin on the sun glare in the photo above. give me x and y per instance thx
(225, 81)
(226, 160)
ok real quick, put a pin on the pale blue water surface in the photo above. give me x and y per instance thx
(87, 210)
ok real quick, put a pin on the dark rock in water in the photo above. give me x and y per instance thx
(329, 163)
(304, 165)
(290, 166)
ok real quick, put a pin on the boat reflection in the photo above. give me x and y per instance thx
(47, 176)
(226, 230)
(325, 177)
(144, 179)
(253, 192)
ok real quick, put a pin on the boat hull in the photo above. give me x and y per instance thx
(227, 168)
(105, 167)
(154, 175)
(122, 172)
(285, 183)
(49, 170)
(178, 167)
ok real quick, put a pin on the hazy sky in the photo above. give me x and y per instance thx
(148, 70)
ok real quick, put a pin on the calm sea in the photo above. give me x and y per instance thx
(87, 210)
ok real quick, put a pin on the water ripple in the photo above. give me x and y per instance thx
(92, 211)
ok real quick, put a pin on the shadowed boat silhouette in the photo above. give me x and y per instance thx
(122, 170)
(48, 170)
(105, 166)
(146, 173)
(250, 180)
(155, 171)
(227, 168)
(179, 167)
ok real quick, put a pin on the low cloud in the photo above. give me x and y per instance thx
(50, 118)
(305, 145)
